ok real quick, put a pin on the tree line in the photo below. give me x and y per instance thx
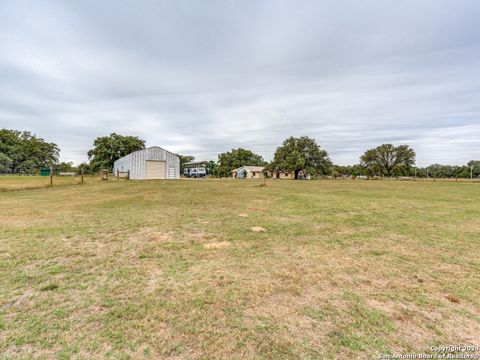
(22, 152)
(303, 156)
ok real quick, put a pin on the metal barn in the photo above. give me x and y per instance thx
(151, 163)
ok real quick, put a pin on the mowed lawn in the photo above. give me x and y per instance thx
(224, 269)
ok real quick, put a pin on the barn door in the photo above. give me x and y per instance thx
(154, 169)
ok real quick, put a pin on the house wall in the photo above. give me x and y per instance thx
(250, 175)
(255, 175)
(282, 175)
(136, 162)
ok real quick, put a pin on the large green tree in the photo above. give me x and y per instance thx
(388, 160)
(5, 164)
(301, 154)
(65, 166)
(185, 159)
(24, 152)
(236, 158)
(349, 170)
(85, 168)
(212, 168)
(107, 149)
(474, 165)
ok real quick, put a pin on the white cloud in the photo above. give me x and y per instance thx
(203, 78)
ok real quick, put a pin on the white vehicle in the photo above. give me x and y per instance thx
(196, 172)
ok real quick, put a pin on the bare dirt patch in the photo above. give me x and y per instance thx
(257, 229)
(217, 245)
(454, 299)
(155, 274)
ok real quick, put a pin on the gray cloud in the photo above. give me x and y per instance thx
(204, 77)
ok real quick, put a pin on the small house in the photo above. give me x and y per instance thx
(286, 175)
(248, 172)
(282, 175)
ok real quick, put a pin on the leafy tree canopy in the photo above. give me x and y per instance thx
(212, 168)
(23, 152)
(451, 171)
(349, 170)
(5, 163)
(388, 160)
(236, 158)
(65, 166)
(301, 154)
(185, 159)
(107, 149)
(85, 168)
(474, 165)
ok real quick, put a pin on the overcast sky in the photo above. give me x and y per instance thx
(201, 77)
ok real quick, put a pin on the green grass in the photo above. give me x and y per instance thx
(155, 269)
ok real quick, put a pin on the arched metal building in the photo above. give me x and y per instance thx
(151, 163)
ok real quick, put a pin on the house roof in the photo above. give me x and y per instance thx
(196, 163)
(250, 168)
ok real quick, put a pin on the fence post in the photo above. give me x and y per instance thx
(118, 174)
(51, 176)
(104, 174)
(81, 175)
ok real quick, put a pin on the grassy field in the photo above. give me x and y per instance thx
(16, 183)
(231, 269)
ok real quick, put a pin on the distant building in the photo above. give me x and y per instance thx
(258, 172)
(248, 172)
(195, 164)
(196, 169)
(151, 163)
(286, 175)
(281, 175)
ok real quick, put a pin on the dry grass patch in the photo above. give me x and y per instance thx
(216, 245)
(258, 229)
(151, 234)
(22, 183)
(152, 284)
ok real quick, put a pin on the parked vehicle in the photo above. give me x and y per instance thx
(197, 172)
